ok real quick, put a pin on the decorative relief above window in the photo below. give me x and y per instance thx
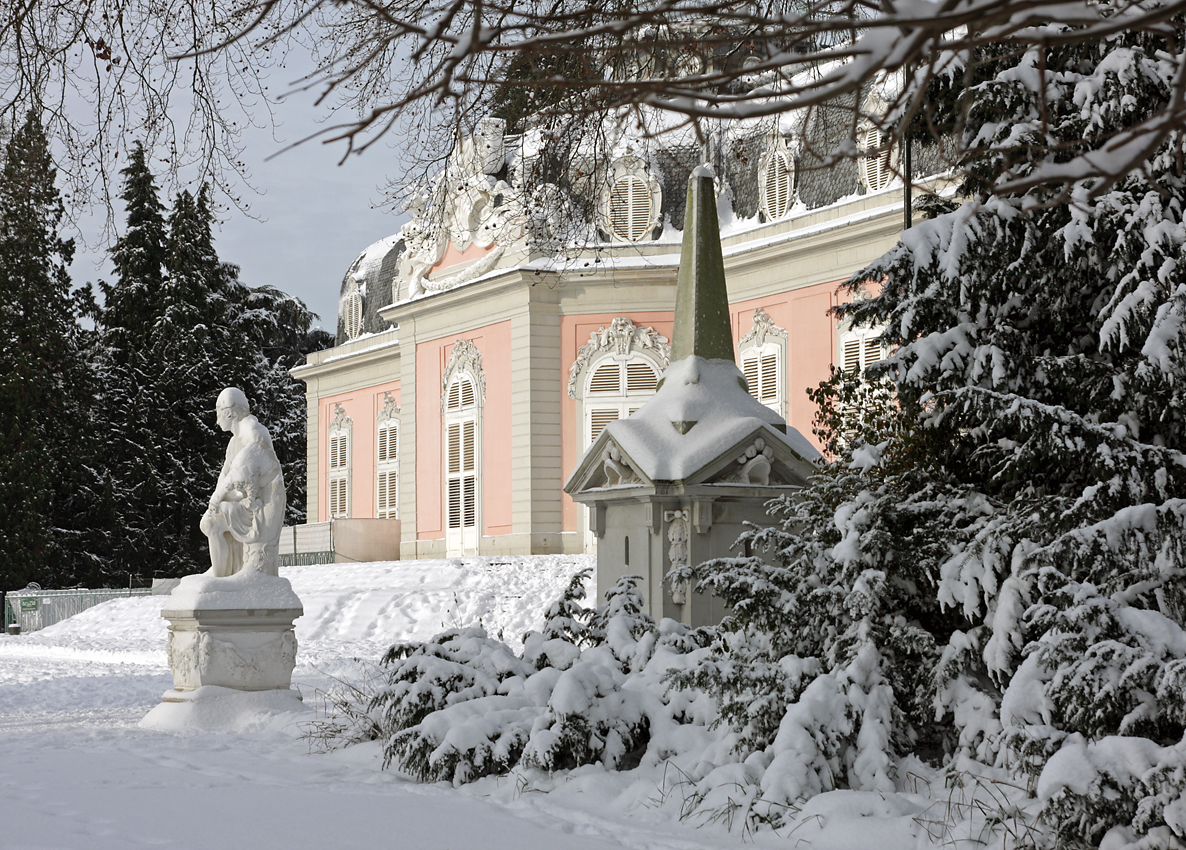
(776, 175)
(622, 338)
(465, 357)
(631, 202)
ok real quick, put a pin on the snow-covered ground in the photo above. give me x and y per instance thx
(79, 774)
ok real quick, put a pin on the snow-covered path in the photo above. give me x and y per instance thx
(79, 774)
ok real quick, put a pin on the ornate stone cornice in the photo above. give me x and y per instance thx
(465, 205)
(465, 357)
(763, 327)
(622, 337)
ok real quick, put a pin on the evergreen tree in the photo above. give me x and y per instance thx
(44, 482)
(177, 328)
(993, 565)
(131, 306)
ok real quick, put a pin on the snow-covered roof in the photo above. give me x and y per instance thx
(697, 429)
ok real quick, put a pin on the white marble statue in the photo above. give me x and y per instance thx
(246, 512)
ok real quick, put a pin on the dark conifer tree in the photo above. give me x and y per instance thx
(138, 256)
(177, 328)
(40, 385)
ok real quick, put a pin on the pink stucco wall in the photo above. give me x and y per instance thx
(811, 342)
(363, 409)
(574, 333)
(452, 256)
(494, 342)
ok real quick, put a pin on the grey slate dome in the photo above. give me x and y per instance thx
(367, 288)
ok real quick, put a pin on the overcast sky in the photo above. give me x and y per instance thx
(315, 216)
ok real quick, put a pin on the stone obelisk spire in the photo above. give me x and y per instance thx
(701, 301)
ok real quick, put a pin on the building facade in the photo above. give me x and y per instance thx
(483, 348)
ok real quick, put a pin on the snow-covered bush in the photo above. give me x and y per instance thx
(464, 705)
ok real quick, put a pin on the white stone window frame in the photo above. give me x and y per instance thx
(623, 171)
(766, 339)
(624, 342)
(387, 468)
(339, 465)
(860, 347)
(777, 151)
(464, 364)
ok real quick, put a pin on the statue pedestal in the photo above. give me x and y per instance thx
(248, 649)
(232, 664)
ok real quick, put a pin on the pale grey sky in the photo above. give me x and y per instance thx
(315, 216)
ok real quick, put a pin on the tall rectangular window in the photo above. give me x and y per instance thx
(387, 471)
(339, 474)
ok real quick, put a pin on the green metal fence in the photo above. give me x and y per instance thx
(305, 559)
(36, 609)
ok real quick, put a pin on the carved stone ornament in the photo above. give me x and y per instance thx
(763, 328)
(752, 466)
(677, 550)
(465, 357)
(390, 408)
(230, 657)
(340, 422)
(617, 471)
(623, 338)
(549, 218)
(465, 205)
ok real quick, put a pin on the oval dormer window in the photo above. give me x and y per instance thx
(352, 312)
(874, 161)
(778, 182)
(630, 210)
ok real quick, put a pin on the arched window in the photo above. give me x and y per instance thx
(859, 347)
(339, 455)
(874, 162)
(630, 209)
(763, 356)
(618, 386)
(776, 187)
(613, 375)
(387, 461)
(351, 307)
(464, 393)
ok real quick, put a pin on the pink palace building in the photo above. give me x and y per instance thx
(529, 301)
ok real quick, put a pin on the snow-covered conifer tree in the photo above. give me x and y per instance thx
(176, 328)
(995, 565)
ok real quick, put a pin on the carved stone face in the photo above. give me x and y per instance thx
(226, 417)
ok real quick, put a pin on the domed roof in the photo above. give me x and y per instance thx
(366, 289)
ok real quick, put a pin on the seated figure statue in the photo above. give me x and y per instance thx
(246, 512)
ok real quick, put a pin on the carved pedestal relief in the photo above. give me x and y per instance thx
(678, 552)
